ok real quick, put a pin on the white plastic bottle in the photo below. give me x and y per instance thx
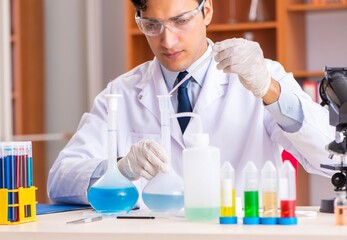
(201, 171)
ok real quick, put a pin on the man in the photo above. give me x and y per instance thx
(249, 105)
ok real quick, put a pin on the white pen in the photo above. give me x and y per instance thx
(86, 220)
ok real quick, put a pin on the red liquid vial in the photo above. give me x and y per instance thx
(287, 193)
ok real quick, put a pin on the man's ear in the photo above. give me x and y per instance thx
(208, 11)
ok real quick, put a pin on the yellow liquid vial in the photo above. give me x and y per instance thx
(228, 209)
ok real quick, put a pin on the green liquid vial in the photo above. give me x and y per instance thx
(251, 204)
(250, 194)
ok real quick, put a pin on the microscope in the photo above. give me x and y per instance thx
(333, 91)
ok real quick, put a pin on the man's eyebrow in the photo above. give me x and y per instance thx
(179, 15)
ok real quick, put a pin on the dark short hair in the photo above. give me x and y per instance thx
(142, 4)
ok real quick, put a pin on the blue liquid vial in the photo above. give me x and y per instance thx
(112, 199)
(163, 202)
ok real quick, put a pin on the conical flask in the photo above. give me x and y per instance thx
(112, 192)
(165, 191)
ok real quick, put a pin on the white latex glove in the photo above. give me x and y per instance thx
(145, 158)
(246, 59)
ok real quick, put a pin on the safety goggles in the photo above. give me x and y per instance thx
(178, 24)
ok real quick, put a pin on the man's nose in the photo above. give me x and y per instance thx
(169, 38)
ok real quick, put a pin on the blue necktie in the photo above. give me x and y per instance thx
(183, 100)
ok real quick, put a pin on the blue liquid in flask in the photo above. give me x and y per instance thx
(111, 199)
(163, 202)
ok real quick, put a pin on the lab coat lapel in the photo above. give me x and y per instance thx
(150, 87)
(212, 89)
(210, 92)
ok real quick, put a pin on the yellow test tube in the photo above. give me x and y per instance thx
(228, 198)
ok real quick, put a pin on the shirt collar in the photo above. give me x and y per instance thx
(199, 76)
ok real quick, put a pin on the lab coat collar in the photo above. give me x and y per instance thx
(153, 84)
(212, 88)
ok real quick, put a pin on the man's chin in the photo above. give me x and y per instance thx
(176, 66)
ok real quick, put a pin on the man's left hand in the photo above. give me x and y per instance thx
(246, 59)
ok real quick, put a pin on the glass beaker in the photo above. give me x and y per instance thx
(112, 192)
(258, 11)
(232, 13)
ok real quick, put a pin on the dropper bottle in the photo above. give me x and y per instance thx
(228, 199)
(269, 193)
(251, 198)
(201, 174)
(287, 191)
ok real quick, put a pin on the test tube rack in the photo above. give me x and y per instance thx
(24, 209)
(17, 193)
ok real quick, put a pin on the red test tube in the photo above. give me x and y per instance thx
(287, 193)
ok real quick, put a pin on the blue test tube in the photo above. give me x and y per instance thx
(2, 176)
(28, 164)
(10, 179)
(28, 160)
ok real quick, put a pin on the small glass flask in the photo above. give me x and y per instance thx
(340, 208)
(258, 11)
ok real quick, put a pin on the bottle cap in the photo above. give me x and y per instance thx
(268, 220)
(227, 171)
(228, 220)
(251, 220)
(250, 177)
(288, 221)
(269, 177)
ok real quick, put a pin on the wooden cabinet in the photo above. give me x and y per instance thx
(292, 34)
(28, 80)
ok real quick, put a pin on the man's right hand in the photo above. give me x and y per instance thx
(145, 159)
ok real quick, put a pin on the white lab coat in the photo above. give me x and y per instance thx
(237, 122)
